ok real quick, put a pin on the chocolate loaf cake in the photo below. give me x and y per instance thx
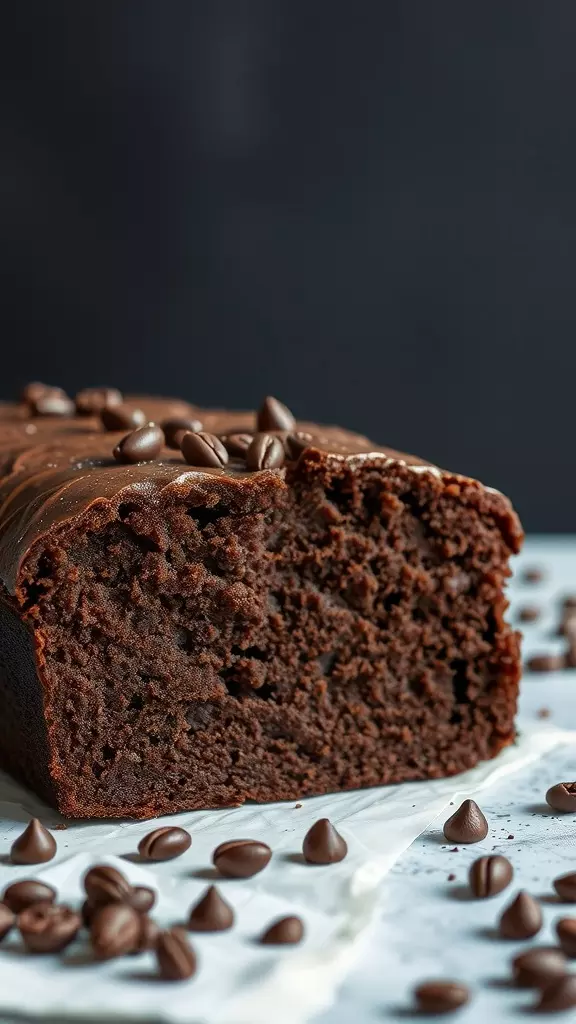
(238, 607)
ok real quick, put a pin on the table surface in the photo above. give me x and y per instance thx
(428, 927)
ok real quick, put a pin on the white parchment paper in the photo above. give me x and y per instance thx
(238, 981)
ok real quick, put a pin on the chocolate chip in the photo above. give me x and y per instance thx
(115, 930)
(543, 713)
(141, 898)
(164, 843)
(104, 884)
(24, 894)
(490, 875)
(530, 613)
(545, 663)
(204, 449)
(273, 415)
(237, 444)
(90, 401)
(522, 918)
(566, 932)
(7, 920)
(149, 933)
(122, 417)
(565, 886)
(143, 445)
(562, 797)
(176, 958)
(211, 913)
(533, 575)
(286, 931)
(34, 846)
(265, 452)
(441, 996)
(323, 844)
(48, 927)
(558, 995)
(538, 967)
(241, 858)
(467, 824)
(52, 402)
(175, 428)
(297, 443)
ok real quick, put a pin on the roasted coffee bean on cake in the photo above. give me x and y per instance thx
(259, 610)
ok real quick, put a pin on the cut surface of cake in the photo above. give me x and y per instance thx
(301, 612)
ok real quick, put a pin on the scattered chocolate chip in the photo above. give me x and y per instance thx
(34, 846)
(285, 932)
(566, 932)
(558, 995)
(543, 713)
(237, 444)
(533, 575)
(490, 875)
(175, 429)
(142, 445)
(149, 932)
(265, 452)
(467, 824)
(241, 858)
(7, 920)
(522, 918)
(323, 844)
(565, 887)
(510, 837)
(562, 797)
(21, 895)
(297, 443)
(176, 958)
(441, 996)
(90, 401)
(121, 417)
(48, 927)
(451, 877)
(204, 449)
(165, 843)
(104, 884)
(53, 402)
(211, 913)
(141, 898)
(273, 415)
(538, 967)
(545, 663)
(530, 613)
(115, 930)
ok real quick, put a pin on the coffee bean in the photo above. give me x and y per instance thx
(545, 663)
(538, 967)
(530, 613)
(533, 575)
(90, 401)
(237, 444)
(48, 927)
(176, 958)
(272, 415)
(467, 824)
(115, 930)
(323, 844)
(142, 445)
(7, 920)
(211, 913)
(490, 875)
(122, 417)
(566, 932)
(203, 449)
(522, 918)
(285, 932)
(34, 846)
(565, 886)
(441, 996)
(562, 797)
(141, 898)
(104, 884)
(52, 402)
(149, 932)
(265, 452)
(559, 995)
(297, 443)
(175, 428)
(241, 858)
(24, 894)
(164, 843)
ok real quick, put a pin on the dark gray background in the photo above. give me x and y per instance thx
(366, 208)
